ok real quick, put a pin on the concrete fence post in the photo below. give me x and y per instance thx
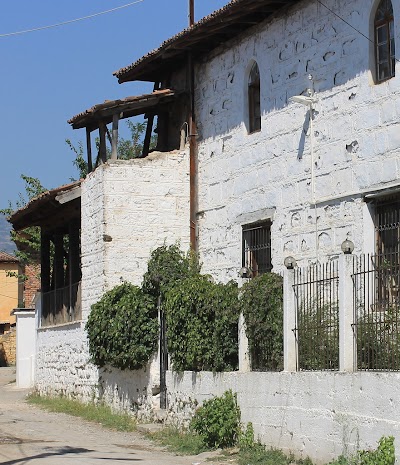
(244, 358)
(346, 335)
(289, 322)
(26, 345)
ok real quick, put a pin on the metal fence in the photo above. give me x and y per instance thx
(376, 302)
(317, 316)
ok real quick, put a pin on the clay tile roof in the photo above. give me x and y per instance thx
(43, 204)
(205, 35)
(7, 258)
(129, 106)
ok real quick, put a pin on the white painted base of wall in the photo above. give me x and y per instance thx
(321, 415)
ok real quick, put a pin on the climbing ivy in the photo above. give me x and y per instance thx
(123, 328)
(202, 322)
(261, 301)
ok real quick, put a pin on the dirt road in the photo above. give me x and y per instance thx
(31, 436)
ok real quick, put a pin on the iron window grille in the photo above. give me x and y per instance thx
(256, 248)
(384, 41)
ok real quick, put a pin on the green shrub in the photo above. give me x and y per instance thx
(166, 266)
(262, 305)
(202, 325)
(123, 328)
(383, 455)
(318, 337)
(217, 421)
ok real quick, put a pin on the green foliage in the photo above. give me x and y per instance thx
(202, 324)
(261, 301)
(383, 455)
(181, 442)
(95, 413)
(318, 335)
(127, 149)
(217, 421)
(123, 328)
(246, 438)
(378, 340)
(168, 265)
(28, 240)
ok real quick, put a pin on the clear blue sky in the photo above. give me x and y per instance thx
(49, 76)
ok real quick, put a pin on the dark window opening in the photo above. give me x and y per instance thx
(256, 248)
(384, 41)
(254, 99)
(387, 259)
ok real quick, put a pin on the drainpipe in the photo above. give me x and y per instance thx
(192, 141)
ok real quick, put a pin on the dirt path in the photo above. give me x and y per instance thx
(32, 436)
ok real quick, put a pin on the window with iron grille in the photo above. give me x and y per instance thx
(254, 99)
(384, 41)
(387, 259)
(256, 248)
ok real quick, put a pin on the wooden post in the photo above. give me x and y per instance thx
(103, 148)
(89, 151)
(114, 143)
(74, 268)
(191, 12)
(59, 310)
(45, 275)
(147, 138)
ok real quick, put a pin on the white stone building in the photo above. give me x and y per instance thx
(278, 126)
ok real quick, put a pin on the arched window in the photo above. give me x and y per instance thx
(254, 99)
(384, 41)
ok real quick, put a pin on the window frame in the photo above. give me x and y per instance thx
(256, 238)
(388, 43)
(254, 99)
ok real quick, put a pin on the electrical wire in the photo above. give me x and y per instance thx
(70, 21)
(349, 24)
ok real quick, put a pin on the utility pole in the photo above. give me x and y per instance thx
(191, 12)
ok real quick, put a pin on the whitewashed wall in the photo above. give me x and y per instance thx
(320, 415)
(129, 208)
(244, 178)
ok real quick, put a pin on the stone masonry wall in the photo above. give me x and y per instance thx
(8, 348)
(128, 209)
(321, 415)
(248, 177)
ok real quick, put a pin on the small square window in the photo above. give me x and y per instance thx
(256, 248)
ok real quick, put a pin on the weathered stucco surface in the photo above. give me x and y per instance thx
(320, 415)
(355, 137)
(129, 208)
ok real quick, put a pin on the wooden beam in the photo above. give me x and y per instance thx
(102, 148)
(147, 138)
(89, 150)
(114, 141)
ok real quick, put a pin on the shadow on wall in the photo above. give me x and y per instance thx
(127, 390)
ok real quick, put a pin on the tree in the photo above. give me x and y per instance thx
(28, 240)
(127, 149)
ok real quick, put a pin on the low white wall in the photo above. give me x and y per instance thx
(321, 415)
(62, 363)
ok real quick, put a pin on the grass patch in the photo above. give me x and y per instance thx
(180, 442)
(259, 455)
(100, 414)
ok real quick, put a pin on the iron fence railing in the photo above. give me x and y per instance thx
(316, 290)
(376, 303)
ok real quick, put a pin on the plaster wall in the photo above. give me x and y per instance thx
(321, 415)
(245, 177)
(129, 208)
(10, 291)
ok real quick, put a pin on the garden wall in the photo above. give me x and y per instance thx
(321, 415)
